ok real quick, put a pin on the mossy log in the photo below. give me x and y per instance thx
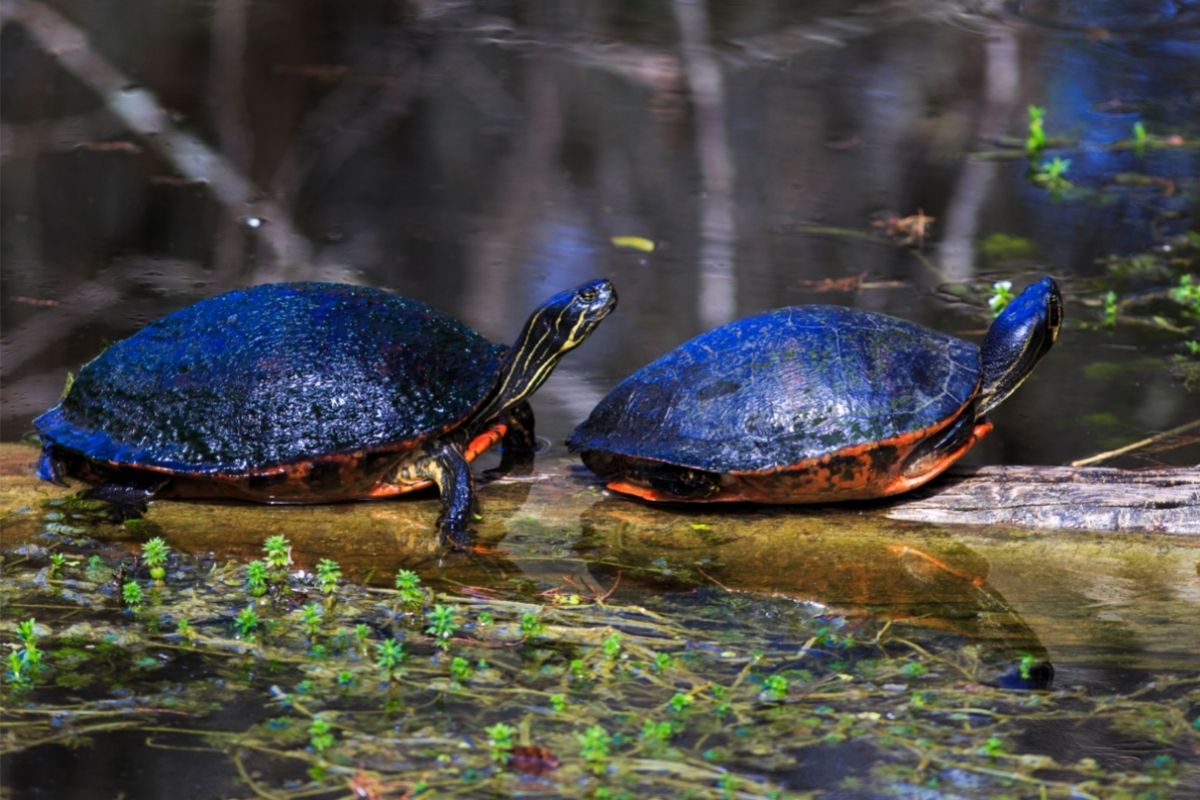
(1065, 498)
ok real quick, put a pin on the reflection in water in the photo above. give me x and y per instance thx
(931, 582)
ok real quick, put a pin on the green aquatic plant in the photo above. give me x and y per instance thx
(1110, 309)
(776, 687)
(256, 578)
(595, 745)
(442, 625)
(1140, 138)
(131, 594)
(154, 556)
(1035, 139)
(500, 742)
(655, 735)
(408, 584)
(389, 655)
(25, 660)
(277, 552)
(1052, 174)
(320, 735)
(461, 670)
(558, 702)
(57, 562)
(612, 646)
(312, 617)
(328, 576)
(247, 622)
(531, 626)
(1187, 294)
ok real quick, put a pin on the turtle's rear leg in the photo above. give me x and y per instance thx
(127, 495)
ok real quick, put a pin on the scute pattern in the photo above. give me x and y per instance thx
(274, 374)
(772, 390)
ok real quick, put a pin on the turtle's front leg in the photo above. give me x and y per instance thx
(445, 465)
(519, 445)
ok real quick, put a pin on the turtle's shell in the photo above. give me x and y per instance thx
(275, 374)
(776, 390)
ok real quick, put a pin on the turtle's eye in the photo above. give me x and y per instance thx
(587, 295)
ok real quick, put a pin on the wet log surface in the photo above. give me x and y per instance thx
(1064, 498)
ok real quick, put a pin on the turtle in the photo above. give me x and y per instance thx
(309, 392)
(811, 404)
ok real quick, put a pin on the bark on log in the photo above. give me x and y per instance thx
(1066, 498)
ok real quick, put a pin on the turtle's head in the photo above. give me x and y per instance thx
(1019, 337)
(557, 327)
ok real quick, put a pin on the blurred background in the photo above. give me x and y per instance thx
(712, 159)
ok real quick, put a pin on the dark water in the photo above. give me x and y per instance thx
(481, 156)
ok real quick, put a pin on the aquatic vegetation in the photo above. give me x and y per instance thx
(1187, 294)
(593, 699)
(1139, 138)
(1110, 309)
(500, 742)
(1035, 140)
(1052, 174)
(328, 575)
(154, 556)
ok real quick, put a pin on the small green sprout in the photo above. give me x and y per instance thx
(500, 742)
(25, 662)
(320, 735)
(993, 747)
(278, 552)
(96, 570)
(531, 626)
(578, 668)
(184, 629)
(461, 669)
(57, 562)
(1025, 666)
(1187, 294)
(442, 625)
(246, 622)
(256, 578)
(558, 702)
(131, 594)
(914, 669)
(1002, 295)
(612, 646)
(1110, 309)
(1035, 141)
(680, 702)
(408, 583)
(485, 619)
(1192, 347)
(663, 662)
(312, 617)
(594, 746)
(154, 556)
(1052, 174)
(1140, 138)
(776, 686)
(328, 575)
(389, 655)
(655, 735)
(728, 784)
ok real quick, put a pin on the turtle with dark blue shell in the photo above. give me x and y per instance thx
(309, 392)
(811, 404)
